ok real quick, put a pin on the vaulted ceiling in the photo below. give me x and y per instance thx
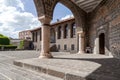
(87, 5)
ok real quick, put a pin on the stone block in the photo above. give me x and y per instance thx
(18, 63)
(73, 77)
(56, 73)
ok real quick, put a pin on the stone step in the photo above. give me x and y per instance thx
(2, 77)
(11, 72)
(42, 66)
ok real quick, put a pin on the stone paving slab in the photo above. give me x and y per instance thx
(75, 66)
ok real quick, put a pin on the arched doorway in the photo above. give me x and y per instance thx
(102, 43)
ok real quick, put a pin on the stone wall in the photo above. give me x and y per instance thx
(37, 43)
(69, 42)
(106, 19)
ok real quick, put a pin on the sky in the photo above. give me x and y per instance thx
(19, 15)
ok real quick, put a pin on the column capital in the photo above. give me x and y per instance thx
(45, 19)
(81, 33)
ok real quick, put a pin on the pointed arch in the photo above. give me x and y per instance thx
(77, 12)
(46, 8)
(39, 7)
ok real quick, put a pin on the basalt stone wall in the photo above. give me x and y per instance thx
(67, 44)
(106, 19)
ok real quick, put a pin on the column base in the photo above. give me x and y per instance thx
(45, 55)
(81, 52)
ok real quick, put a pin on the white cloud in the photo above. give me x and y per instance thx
(15, 3)
(13, 18)
(66, 17)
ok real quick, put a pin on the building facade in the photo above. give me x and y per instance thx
(63, 33)
(63, 36)
(104, 29)
(25, 35)
(26, 38)
(36, 38)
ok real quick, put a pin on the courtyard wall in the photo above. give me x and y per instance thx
(106, 19)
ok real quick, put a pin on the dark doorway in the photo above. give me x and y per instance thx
(52, 35)
(102, 43)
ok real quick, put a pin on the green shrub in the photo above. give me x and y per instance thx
(21, 46)
(4, 40)
(1, 35)
(7, 47)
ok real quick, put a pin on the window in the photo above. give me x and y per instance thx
(33, 37)
(59, 32)
(36, 36)
(22, 33)
(73, 30)
(25, 33)
(28, 38)
(58, 47)
(28, 32)
(40, 34)
(66, 31)
(52, 35)
(65, 47)
(72, 47)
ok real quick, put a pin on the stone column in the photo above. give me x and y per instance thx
(45, 44)
(81, 42)
(96, 46)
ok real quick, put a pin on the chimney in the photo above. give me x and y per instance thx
(58, 20)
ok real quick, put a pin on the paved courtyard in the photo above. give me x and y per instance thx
(8, 71)
(63, 66)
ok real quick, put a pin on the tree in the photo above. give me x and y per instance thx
(4, 40)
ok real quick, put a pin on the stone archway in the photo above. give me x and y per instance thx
(45, 10)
